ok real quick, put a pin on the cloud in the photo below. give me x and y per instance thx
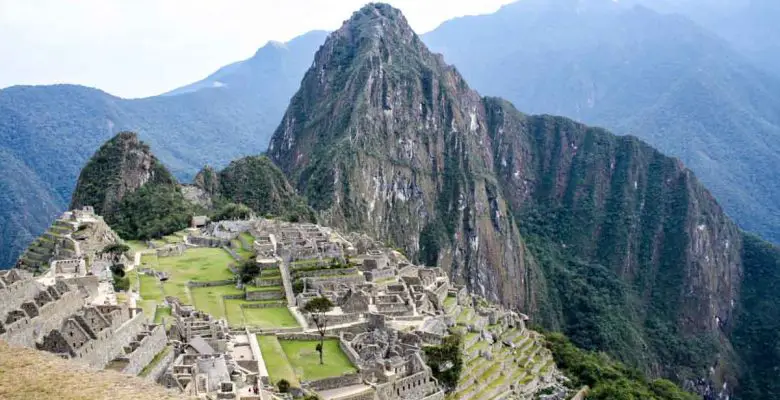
(145, 47)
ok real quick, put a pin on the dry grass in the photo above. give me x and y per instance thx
(30, 374)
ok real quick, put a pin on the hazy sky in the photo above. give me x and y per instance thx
(136, 48)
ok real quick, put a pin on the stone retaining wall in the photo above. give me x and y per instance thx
(275, 304)
(276, 281)
(233, 253)
(149, 347)
(303, 336)
(264, 295)
(159, 370)
(193, 284)
(324, 272)
(206, 241)
(334, 382)
(378, 274)
(336, 319)
(351, 354)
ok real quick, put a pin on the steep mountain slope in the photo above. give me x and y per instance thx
(129, 187)
(621, 248)
(258, 184)
(51, 131)
(659, 77)
(384, 137)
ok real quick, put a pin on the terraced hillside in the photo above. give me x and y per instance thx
(498, 362)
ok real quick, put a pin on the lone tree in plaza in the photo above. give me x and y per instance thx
(318, 307)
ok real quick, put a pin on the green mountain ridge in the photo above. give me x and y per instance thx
(602, 237)
(129, 187)
(257, 183)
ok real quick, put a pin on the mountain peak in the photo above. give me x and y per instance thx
(376, 21)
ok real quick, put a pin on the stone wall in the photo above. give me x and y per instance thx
(26, 331)
(207, 241)
(148, 347)
(345, 280)
(162, 365)
(232, 253)
(17, 293)
(336, 319)
(275, 304)
(268, 282)
(193, 284)
(264, 295)
(378, 274)
(318, 273)
(334, 382)
(413, 387)
(351, 354)
(367, 395)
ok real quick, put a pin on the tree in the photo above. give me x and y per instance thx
(283, 385)
(248, 270)
(318, 307)
(115, 250)
(446, 360)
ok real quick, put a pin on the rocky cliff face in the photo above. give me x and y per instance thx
(600, 236)
(385, 138)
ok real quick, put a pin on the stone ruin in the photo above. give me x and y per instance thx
(56, 318)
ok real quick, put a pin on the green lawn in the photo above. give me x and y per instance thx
(269, 318)
(305, 360)
(197, 264)
(276, 361)
(209, 299)
(150, 288)
(248, 238)
(162, 312)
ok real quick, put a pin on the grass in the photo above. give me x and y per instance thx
(135, 246)
(305, 360)
(160, 313)
(209, 299)
(248, 238)
(150, 288)
(156, 360)
(198, 265)
(276, 361)
(31, 374)
(269, 318)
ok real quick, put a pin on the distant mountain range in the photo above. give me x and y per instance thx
(635, 71)
(47, 133)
